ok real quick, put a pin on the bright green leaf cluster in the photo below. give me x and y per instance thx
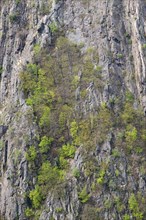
(83, 195)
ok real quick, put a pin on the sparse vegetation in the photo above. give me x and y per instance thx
(83, 195)
(49, 86)
(14, 17)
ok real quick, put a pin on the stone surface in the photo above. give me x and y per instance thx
(116, 28)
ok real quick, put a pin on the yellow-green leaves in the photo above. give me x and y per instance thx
(31, 154)
(45, 144)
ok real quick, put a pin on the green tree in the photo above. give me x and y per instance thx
(36, 197)
(45, 144)
(83, 195)
(31, 154)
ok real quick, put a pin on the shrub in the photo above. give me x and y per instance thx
(76, 172)
(45, 9)
(1, 145)
(144, 46)
(29, 212)
(126, 217)
(74, 132)
(68, 151)
(49, 176)
(134, 207)
(64, 116)
(116, 153)
(119, 55)
(17, 2)
(45, 117)
(53, 27)
(102, 172)
(129, 97)
(83, 195)
(31, 154)
(128, 114)
(29, 78)
(36, 197)
(74, 129)
(131, 136)
(59, 210)
(45, 144)
(14, 17)
(63, 163)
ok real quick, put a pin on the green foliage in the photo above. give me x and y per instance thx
(129, 97)
(29, 78)
(2, 144)
(74, 132)
(36, 197)
(74, 129)
(45, 144)
(16, 155)
(134, 207)
(119, 204)
(131, 127)
(105, 117)
(32, 69)
(59, 210)
(133, 202)
(29, 212)
(31, 154)
(104, 122)
(14, 17)
(64, 116)
(143, 134)
(98, 68)
(126, 217)
(49, 85)
(45, 117)
(115, 153)
(75, 81)
(63, 163)
(76, 172)
(90, 166)
(108, 204)
(102, 172)
(100, 179)
(68, 151)
(144, 46)
(83, 195)
(128, 114)
(117, 172)
(49, 176)
(53, 27)
(17, 2)
(84, 133)
(120, 56)
(131, 136)
(45, 7)
(37, 52)
(49, 88)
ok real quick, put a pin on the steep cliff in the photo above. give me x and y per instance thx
(72, 109)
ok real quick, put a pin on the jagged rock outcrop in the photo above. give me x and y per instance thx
(114, 28)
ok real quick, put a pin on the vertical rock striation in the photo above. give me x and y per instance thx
(117, 30)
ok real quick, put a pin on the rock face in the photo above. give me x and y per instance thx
(117, 30)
